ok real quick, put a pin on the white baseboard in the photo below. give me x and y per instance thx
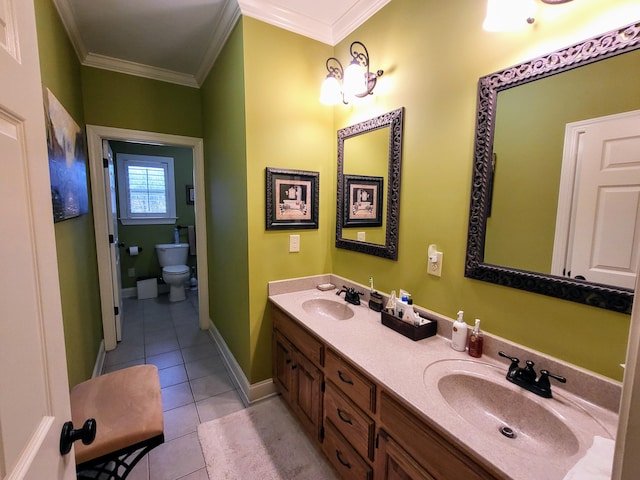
(250, 393)
(99, 365)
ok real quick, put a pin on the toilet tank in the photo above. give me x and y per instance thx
(172, 253)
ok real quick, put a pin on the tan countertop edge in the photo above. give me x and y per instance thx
(596, 393)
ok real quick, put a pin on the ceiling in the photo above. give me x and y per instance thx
(178, 40)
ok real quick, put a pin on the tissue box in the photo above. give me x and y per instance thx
(147, 288)
(408, 330)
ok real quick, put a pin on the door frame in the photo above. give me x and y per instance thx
(95, 135)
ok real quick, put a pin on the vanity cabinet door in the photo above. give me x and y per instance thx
(283, 358)
(426, 447)
(393, 463)
(307, 401)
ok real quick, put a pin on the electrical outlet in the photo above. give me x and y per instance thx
(131, 272)
(362, 236)
(294, 243)
(434, 266)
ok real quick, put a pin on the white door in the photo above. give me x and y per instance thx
(604, 233)
(34, 395)
(112, 227)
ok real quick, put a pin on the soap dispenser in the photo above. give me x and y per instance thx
(459, 333)
(476, 339)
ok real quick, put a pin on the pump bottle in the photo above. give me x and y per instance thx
(476, 340)
(459, 333)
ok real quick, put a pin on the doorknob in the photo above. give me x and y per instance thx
(69, 435)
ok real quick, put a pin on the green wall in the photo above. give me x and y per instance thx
(286, 127)
(124, 101)
(433, 55)
(75, 239)
(147, 236)
(224, 131)
(529, 142)
(259, 107)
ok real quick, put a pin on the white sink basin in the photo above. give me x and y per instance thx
(328, 308)
(478, 393)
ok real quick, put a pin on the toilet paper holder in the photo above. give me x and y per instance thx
(128, 250)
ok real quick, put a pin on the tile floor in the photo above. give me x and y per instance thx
(195, 385)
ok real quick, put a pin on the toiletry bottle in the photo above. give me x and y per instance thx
(391, 304)
(459, 333)
(476, 339)
(176, 235)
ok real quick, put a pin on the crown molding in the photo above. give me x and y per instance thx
(356, 16)
(139, 70)
(288, 20)
(330, 34)
(221, 32)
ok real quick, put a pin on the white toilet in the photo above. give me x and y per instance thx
(175, 272)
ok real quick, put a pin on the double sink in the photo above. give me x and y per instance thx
(477, 393)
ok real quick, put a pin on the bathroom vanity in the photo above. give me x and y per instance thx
(382, 406)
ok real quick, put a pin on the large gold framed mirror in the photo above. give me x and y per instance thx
(525, 118)
(368, 200)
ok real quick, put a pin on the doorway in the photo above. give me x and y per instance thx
(95, 137)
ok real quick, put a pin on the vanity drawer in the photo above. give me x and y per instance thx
(352, 422)
(304, 342)
(343, 457)
(358, 388)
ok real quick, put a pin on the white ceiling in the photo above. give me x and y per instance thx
(178, 40)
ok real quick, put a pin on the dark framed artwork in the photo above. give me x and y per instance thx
(191, 195)
(67, 161)
(363, 201)
(291, 199)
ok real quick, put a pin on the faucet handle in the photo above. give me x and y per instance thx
(514, 360)
(544, 378)
(528, 372)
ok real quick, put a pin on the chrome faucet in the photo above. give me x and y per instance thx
(351, 295)
(527, 377)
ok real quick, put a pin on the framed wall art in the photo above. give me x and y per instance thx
(67, 161)
(291, 199)
(363, 201)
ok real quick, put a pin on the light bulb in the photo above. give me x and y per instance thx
(508, 15)
(330, 93)
(354, 80)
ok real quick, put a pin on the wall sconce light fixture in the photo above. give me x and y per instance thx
(505, 15)
(357, 80)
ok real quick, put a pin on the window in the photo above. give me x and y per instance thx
(146, 189)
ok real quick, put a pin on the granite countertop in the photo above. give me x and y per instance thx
(398, 364)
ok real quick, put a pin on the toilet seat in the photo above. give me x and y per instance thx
(175, 269)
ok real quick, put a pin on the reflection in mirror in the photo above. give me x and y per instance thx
(528, 227)
(366, 155)
(369, 159)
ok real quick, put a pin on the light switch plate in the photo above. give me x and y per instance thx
(294, 243)
(362, 237)
(435, 268)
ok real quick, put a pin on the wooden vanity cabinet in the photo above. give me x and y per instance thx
(393, 463)
(367, 433)
(408, 448)
(298, 379)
